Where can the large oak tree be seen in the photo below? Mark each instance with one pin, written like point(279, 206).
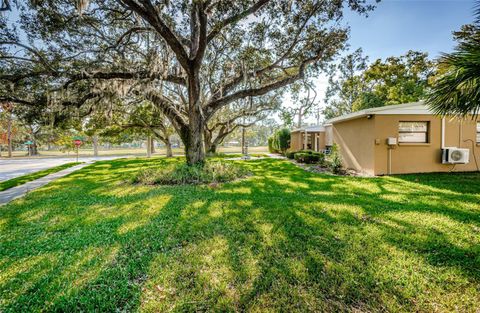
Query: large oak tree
point(190, 58)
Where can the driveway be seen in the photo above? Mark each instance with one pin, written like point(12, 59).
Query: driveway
point(11, 168)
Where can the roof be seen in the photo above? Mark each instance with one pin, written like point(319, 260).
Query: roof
point(310, 129)
point(401, 109)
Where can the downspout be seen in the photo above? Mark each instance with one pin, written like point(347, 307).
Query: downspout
point(389, 161)
point(460, 134)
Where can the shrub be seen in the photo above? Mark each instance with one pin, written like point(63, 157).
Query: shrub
point(290, 154)
point(305, 151)
point(308, 158)
point(336, 163)
point(271, 147)
point(183, 174)
point(282, 140)
point(321, 158)
point(300, 157)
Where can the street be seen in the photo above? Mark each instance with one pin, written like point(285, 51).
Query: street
point(11, 168)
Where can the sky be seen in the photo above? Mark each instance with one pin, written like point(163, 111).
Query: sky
point(397, 26)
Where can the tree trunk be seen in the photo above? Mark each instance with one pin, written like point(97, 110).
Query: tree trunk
point(300, 116)
point(149, 146)
point(9, 135)
point(168, 146)
point(193, 141)
point(212, 149)
point(193, 134)
point(207, 139)
point(152, 145)
point(34, 148)
point(95, 145)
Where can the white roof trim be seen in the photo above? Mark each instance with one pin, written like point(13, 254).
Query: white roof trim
point(310, 129)
point(401, 109)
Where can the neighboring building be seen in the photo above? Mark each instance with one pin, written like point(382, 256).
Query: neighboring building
point(315, 138)
point(404, 138)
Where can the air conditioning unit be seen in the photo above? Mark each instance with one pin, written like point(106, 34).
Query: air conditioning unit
point(452, 155)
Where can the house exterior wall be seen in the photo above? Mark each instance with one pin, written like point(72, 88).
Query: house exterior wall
point(321, 141)
point(422, 157)
point(296, 141)
point(329, 135)
point(355, 138)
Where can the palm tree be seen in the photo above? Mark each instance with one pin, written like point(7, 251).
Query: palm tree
point(457, 91)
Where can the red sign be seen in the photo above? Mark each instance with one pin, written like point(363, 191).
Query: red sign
point(77, 142)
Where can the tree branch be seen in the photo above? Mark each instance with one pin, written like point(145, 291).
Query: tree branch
point(6, 6)
point(125, 75)
point(149, 13)
point(30, 49)
point(214, 105)
point(167, 108)
point(234, 19)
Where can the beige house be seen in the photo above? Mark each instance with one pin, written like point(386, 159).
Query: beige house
point(308, 138)
point(404, 138)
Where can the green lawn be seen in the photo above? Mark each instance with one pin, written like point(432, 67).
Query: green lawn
point(281, 240)
point(26, 178)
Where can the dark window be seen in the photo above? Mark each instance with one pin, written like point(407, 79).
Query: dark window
point(413, 132)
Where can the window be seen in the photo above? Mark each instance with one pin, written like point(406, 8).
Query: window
point(413, 132)
point(478, 132)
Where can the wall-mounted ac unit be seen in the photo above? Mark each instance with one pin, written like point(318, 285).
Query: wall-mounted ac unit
point(452, 155)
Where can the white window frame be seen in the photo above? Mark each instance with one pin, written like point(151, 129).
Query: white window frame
point(426, 132)
point(478, 132)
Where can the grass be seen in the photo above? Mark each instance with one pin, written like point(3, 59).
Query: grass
point(281, 240)
point(7, 184)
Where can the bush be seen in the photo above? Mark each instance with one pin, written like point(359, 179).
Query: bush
point(336, 163)
point(183, 174)
point(290, 154)
point(306, 158)
point(281, 140)
point(309, 157)
point(271, 147)
point(305, 151)
point(321, 158)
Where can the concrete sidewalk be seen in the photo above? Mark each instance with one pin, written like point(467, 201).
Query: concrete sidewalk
point(19, 191)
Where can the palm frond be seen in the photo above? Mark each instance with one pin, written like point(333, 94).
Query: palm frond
point(457, 92)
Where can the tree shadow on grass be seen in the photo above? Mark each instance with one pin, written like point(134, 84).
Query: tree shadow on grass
point(281, 240)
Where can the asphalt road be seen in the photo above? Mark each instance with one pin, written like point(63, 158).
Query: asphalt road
point(11, 168)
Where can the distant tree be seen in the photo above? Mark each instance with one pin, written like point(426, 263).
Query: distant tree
point(456, 90)
point(357, 86)
point(257, 134)
point(345, 84)
point(304, 98)
point(238, 115)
